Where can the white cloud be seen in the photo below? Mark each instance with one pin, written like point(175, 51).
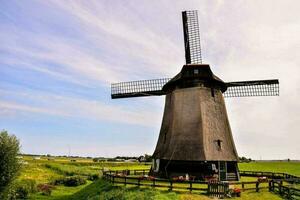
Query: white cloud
point(6, 106)
point(75, 107)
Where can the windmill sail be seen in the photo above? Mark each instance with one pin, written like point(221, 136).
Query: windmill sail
point(141, 88)
point(191, 35)
point(154, 87)
point(252, 88)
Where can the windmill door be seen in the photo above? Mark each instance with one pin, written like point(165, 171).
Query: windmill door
point(222, 170)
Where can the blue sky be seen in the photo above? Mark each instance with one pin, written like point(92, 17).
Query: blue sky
point(58, 59)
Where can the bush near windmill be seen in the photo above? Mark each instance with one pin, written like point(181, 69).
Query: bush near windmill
point(9, 163)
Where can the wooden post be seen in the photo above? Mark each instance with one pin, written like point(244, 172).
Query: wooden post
point(280, 188)
point(270, 186)
point(171, 185)
point(191, 186)
point(243, 186)
point(153, 184)
point(289, 196)
point(125, 180)
point(257, 188)
point(226, 189)
point(113, 179)
point(139, 182)
point(208, 188)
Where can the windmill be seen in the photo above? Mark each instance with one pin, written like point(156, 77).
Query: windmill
point(195, 137)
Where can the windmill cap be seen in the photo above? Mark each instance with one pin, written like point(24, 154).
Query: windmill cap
point(191, 75)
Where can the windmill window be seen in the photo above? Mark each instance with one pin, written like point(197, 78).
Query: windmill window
point(196, 71)
point(219, 144)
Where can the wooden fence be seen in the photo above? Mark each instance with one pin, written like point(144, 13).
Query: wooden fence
point(156, 182)
point(288, 192)
point(251, 185)
point(271, 175)
point(218, 189)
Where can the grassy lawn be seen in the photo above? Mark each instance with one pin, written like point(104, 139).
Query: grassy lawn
point(286, 167)
point(38, 172)
point(45, 171)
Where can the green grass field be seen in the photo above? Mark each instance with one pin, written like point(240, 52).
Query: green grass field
point(287, 167)
point(45, 171)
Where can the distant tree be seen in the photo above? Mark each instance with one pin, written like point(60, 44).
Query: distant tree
point(148, 158)
point(244, 159)
point(9, 163)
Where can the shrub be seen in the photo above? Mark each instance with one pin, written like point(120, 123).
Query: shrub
point(74, 181)
point(70, 181)
point(21, 192)
point(21, 189)
point(29, 184)
point(59, 181)
point(45, 189)
point(93, 177)
point(9, 163)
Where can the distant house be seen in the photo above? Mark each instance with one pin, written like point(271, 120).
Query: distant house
point(99, 159)
point(36, 158)
point(22, 162)
point(131, 160)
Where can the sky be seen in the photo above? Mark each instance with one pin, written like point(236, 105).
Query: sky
point(58, 59)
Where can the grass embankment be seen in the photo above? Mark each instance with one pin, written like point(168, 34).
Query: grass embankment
point(45, 171)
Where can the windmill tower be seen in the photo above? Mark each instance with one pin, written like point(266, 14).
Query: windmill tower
point(195, 136)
